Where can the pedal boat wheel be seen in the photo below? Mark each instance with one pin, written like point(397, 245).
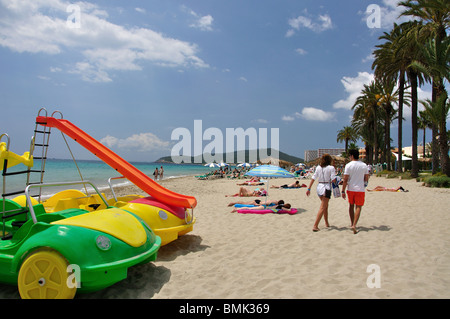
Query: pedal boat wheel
point(43, 275)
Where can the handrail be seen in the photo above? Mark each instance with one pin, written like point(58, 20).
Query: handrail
point(186, 214)
point(28, 197)
point(110, 185)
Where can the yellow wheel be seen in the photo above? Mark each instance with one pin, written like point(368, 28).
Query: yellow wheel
point(43, 275)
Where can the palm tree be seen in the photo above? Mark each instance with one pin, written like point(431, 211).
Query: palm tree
point(366, 119)
point(435, 15)
point(434, 111)
point(392, 59)
point(387, 96)
point(424, 122)
point(435, 65)
point(409, 46)
point(345, 135)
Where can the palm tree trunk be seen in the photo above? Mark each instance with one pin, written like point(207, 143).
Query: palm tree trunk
point(435, 148)
point(443, 143)
point(414, 101)
point(387, 137)
point(400, 119)
point(423, 147)
point(445, 163)
point(375, 138)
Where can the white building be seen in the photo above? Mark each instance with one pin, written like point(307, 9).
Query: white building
point(311, 155)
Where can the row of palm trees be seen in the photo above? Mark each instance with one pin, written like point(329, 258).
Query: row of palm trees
point(411, 54)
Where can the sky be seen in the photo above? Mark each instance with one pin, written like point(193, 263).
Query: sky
point(131, 73)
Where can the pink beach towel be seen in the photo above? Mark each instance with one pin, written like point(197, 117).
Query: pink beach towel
point(291, 211)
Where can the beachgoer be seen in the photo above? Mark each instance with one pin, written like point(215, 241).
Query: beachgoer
point(250, 183)
point(161, 172)
point(260, 207)
point(296, 184)
point(385, 189)
point(245, 192)
point(325, 174)
point(356, 174)
point(257, 202)
point(155, 174)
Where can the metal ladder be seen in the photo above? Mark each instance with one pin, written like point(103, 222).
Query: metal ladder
point(41, 140)
point(42, 135)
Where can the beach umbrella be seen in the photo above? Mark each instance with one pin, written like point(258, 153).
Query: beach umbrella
point(269, 171)
point(212, 165)
point(222, 164)
point(245, 165)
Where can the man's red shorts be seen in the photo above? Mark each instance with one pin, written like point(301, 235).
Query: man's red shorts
point(356, 198)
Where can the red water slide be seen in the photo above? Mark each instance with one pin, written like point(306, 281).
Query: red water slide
point(134, 175)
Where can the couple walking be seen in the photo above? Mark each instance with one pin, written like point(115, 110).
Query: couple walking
point(355, 176)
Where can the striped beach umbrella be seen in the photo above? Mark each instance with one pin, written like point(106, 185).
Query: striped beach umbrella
point(269, 171)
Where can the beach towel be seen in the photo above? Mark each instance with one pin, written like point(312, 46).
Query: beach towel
point(250, 205)
point(291, 211)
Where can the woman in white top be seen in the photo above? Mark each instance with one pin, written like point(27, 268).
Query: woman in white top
point(325, 174)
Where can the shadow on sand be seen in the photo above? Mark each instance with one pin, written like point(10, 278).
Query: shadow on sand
point(144, 281)
point(361, 228)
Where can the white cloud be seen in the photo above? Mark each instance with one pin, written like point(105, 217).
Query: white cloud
point(314, 114)
point(287, 118)
point(140, 142)
point(316, 24)
point(310, 114)
point(55, 69)
point(203, 23)
point(140, 10)
point(368, 58)
point(301, 51)
point(39, 26)
point(243, 79)
point(89, 73)
point(353, 88)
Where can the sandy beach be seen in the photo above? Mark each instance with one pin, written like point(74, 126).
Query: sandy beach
point(231, 255)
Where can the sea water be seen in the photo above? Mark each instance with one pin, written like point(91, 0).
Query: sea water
point(97, 172)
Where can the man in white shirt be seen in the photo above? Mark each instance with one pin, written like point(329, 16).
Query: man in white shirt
point(356, 174)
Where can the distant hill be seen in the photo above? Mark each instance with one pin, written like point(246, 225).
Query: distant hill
point(236, 156)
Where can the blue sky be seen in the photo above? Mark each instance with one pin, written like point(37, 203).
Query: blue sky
point(130, 72)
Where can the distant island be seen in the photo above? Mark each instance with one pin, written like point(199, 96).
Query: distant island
point(245, 155)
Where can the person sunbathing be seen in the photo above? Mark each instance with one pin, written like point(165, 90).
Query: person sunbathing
point(296, 184)
point(257, 202)
point(245, 192)
point(385, 189)
point(250, 183)
point(262, 207)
